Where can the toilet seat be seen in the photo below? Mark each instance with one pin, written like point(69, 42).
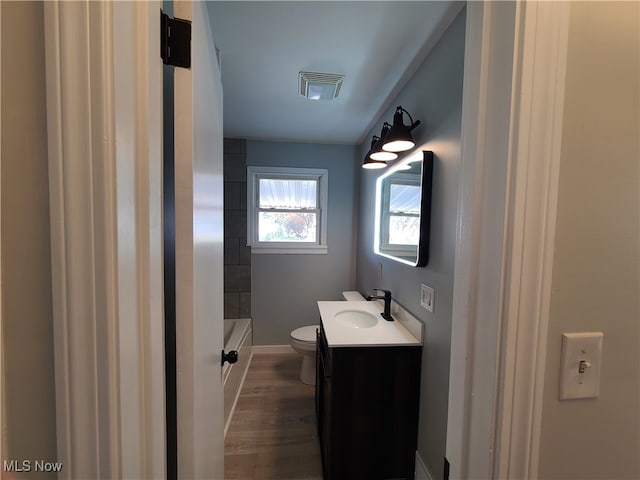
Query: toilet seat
point(305, 334)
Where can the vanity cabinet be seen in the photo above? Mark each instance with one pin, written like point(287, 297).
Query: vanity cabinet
point(367, 409)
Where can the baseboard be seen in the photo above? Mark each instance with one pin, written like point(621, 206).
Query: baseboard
point(270, 349)
point(422, 472)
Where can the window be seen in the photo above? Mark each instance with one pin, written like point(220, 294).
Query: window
point(400, 222)
point(287, 210)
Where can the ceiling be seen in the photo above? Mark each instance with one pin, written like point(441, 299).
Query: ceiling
point(263, 45)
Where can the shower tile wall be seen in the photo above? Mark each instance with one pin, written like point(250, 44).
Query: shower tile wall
point(237, 256)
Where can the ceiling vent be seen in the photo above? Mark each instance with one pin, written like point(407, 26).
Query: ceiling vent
point(319, 86)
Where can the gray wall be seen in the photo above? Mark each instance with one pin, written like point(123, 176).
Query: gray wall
point(28, 376)
point(433, 95)
point(596, 284)
point(285, 288)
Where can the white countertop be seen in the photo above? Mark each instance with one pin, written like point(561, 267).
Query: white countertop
point(382, 334)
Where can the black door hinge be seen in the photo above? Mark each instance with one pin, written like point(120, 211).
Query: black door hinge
point(175, 41)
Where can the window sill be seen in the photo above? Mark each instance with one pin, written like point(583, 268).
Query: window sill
point(315, 250)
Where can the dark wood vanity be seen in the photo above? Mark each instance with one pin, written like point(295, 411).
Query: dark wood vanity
point(367, 400)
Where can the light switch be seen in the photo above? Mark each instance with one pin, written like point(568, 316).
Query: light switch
point(427, 297)
point(580, 365)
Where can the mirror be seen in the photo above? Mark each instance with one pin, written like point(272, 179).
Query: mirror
point(403, 210)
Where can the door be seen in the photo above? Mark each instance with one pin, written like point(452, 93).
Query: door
point(104, 113)
point(199, 253)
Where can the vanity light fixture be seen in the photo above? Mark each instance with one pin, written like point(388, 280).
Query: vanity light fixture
point(398, 138)
point(377, 152)
point(369, 163)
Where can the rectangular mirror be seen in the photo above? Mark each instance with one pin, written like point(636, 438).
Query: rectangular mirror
point(403, 210)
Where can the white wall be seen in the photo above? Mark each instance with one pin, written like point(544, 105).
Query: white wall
point(285, 288)
point(27, 316)
point(596, 283)
point(434, 96)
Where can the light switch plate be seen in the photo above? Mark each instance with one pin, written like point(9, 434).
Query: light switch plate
point(426, 297)
point(580, 365)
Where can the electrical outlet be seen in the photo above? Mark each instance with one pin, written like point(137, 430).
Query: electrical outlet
point(427, 297)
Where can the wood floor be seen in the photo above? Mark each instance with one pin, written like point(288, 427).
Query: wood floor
point(272, 435)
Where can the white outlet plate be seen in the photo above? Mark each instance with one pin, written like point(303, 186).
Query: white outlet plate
point(580, 365)
point(427, 297)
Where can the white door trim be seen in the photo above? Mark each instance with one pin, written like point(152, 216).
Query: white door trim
point(477, 271)
point(537, 111)
point(104, 134)
point(512, 120)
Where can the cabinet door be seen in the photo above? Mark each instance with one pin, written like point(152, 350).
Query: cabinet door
point(372, 431)
point(326, 427)
point(323, 396)
point(319, 379)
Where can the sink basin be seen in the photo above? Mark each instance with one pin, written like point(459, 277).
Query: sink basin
point(356, 318)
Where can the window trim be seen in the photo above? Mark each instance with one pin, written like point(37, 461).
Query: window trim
point(254, 173)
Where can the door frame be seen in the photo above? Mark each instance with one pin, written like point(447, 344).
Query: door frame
point(515, 62)
point(104, 111)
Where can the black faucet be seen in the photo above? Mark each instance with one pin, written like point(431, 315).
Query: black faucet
point(387, 303)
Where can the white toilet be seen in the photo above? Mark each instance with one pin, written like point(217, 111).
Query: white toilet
point(303, 340)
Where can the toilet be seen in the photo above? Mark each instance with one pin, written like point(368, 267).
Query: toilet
point(303, 341)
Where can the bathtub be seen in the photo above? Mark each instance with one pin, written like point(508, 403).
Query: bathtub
point(237, 336)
